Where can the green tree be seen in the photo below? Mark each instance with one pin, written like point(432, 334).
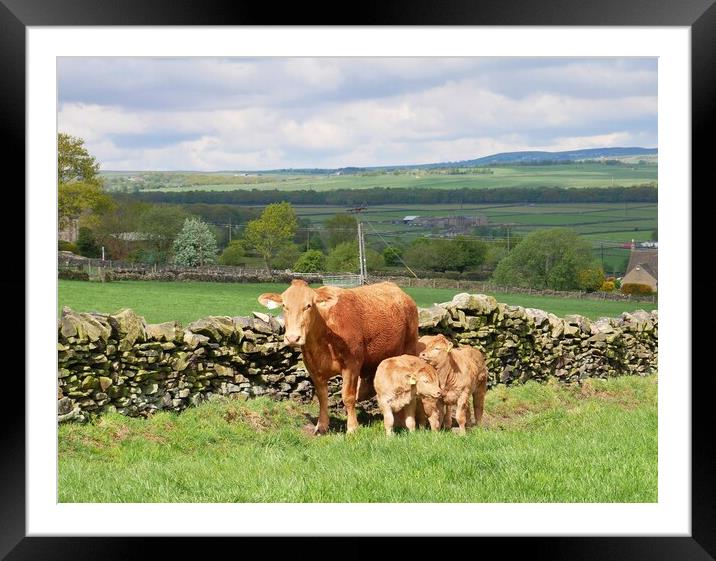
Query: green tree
point(274, 229)
point(472, 253)
point(286, 256)
point(160, 225)
point(546, 259)
point(374, 260)
point(306, 238)
point(195, 245)
point(392, 255)
point(233, 254)
point(340, 229)
point(123, 217)
point(590, 278)
point(75, 199)
point(74, 162)
point(87, 243)
point(311, 261)
point(458, 254)
point(79, 189)
point(343, 258)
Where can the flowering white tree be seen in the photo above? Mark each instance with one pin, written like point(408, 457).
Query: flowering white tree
point(195, 245)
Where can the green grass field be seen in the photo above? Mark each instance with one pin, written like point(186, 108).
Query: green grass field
point(558, 175)
point(594, 443)
point(188, 301)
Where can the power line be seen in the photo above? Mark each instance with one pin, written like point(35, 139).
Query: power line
point(396, 253)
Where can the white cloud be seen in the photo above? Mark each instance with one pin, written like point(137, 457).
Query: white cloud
point(261, 113)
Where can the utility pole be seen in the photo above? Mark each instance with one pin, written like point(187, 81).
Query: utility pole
point(229, 229)
point(361, 254)
point(602, 247)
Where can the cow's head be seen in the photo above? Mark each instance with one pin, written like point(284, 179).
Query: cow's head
point(301, 305)
point(435, 348)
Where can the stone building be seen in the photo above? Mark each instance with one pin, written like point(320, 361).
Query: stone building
point(643, 268)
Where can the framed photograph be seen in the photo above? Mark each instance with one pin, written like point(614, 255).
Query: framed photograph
point(178, 112)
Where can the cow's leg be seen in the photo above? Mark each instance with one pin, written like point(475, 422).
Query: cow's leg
point(348, 392)
point(322, 393)
point(387, 418)
point(447, 417)
point(462, 410)
point(478, 400)
point(410, 415)
point(365, 389)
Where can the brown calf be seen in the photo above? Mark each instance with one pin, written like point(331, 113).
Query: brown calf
point(462, 373)
point(400, 382)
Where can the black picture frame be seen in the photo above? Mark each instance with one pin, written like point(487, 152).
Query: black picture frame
point(699, 15)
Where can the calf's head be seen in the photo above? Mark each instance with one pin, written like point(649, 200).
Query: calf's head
point(426, 382)
point(300, 305)
point(434, 349)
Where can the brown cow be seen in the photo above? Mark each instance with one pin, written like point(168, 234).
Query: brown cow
point(462, 373)
point(347, 332)
point(402, 381)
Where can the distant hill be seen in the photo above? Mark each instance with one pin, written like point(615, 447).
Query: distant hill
point(539, 157)
point(504, 158)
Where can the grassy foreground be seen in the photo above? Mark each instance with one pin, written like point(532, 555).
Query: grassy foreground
point(540, 443)
point(188, 301)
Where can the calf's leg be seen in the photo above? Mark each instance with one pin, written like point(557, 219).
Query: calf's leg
point(478, 400)
point(433, 411)
point(420, 416)
point(462, 411)
point(447, 417)
point(399, 418)
point(387, 418)
point(410, 415)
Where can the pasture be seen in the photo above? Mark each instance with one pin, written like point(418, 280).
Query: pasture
point(187, 301)
point(539, 443)
point(608, 226)
point(557, 175)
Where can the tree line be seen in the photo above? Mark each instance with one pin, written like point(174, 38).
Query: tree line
point(647, 193)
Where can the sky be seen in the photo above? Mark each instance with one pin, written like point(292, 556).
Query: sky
point(210, 114)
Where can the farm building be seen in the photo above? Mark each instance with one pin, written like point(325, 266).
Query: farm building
point(70, 231)
point(643, 268)
point(451, 224)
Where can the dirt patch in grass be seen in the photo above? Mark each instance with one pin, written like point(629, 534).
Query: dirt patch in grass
point(626, 398)
point(260, 422)
point(120, 433)
point(152, 437)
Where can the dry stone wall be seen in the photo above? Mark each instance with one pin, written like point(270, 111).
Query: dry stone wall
point(118, 362)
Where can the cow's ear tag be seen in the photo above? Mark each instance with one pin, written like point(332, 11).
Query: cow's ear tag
point(413, 381)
